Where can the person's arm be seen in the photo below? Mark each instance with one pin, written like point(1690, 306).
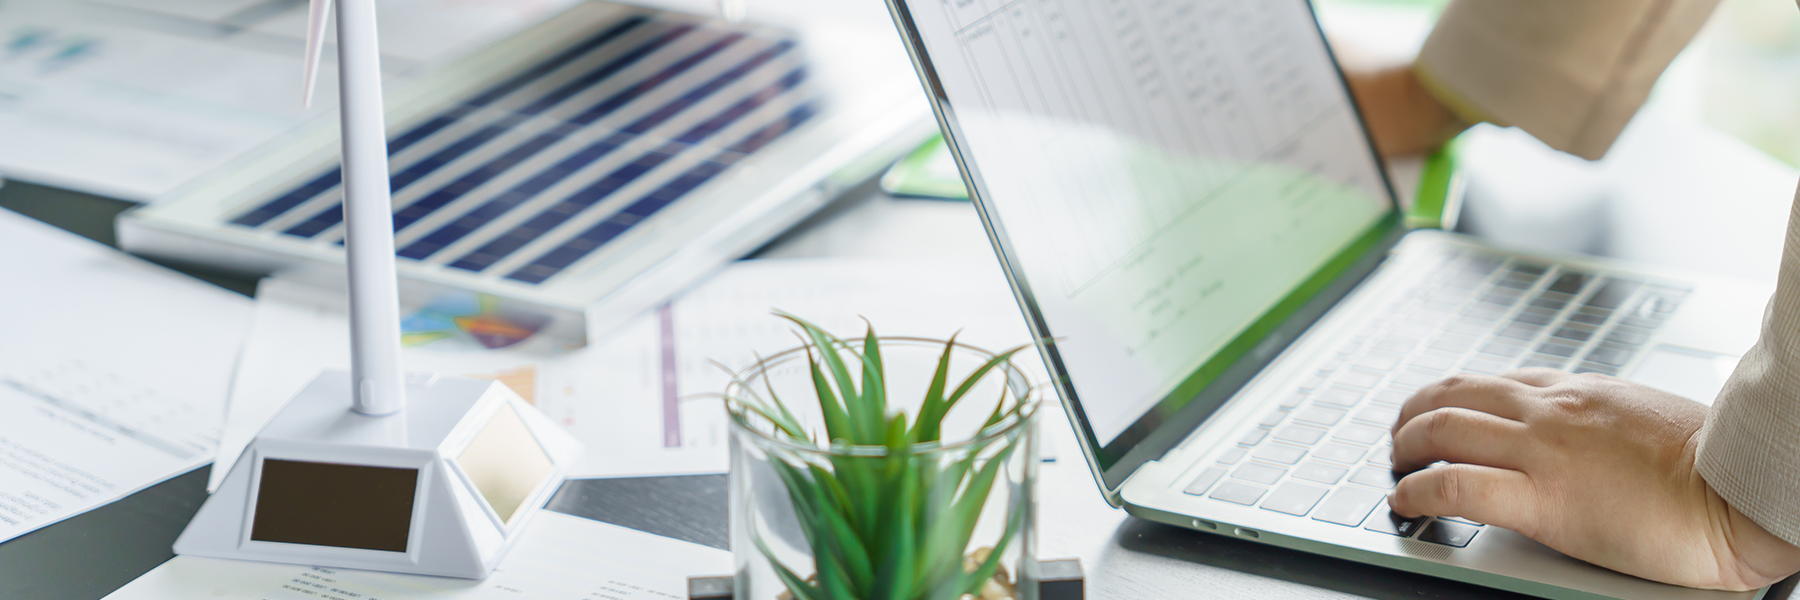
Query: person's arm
point(1569, 73)
point(1605, 470)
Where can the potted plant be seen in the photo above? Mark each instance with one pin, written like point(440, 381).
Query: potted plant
point(870, 468)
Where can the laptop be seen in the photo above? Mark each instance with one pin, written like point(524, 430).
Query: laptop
point(1191, 213)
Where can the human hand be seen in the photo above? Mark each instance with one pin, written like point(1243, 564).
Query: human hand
point(1403, 118)
point(1598, 468)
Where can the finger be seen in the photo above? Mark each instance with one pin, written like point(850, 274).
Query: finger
point(1500, 497)
point(1493, 395)
point(1460, 435)
point(1537, 376)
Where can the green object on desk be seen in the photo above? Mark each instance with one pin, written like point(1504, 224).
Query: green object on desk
point(927, 172)
point(1440, 190)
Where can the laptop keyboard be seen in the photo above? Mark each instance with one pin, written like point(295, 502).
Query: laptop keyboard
point(1323, 450)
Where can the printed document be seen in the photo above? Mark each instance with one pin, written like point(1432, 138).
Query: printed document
point(113, 373)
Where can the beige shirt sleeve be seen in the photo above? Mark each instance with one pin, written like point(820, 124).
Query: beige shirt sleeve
point(1750, 445)
point(1569, 72)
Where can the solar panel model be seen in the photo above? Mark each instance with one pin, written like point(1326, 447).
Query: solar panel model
point(585, 170)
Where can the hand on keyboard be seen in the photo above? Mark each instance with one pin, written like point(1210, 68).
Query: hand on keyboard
point(1599, 468)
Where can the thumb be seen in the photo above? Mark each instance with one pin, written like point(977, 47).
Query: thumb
point(1501, 497)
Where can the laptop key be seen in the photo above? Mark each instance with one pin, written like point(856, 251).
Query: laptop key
point(1378, 415)
point(1613, 293)
point(1341, 453)
point(1385, 521)
point(1449, 533)
point(1573, 334)
point(1571, 282)
point(1432, 363)
point(1348, 506)
point(1462, 520)
point(1377, 363)
point(1486, 367)
point(1539, 360)
point(1559, 350)
point(1383, 456)
point(1523, 333)
point(1536, 270)
point(1609, 356)
point(1280, 453)
point(1292, 401)
point(1253, 437)
point(1535, 316)
point(1320, 472)
point(1361, 434)
point(1260, 473)
point(1361, 381)
point(1206, 480)
point(1396, 346)
point(1300, 434)
point(1550, 303)
point(1272, 419)
point(1415, 379)
point(1595, 368)
point(1501, 348)
point(1237, 492)
point(1321, 416)
point(1453, 344)
point(1628, 336)
point(1341, 398)
point(1393, 396)
point(1591, 316)
point(1374, 477)
point(1294, 498)
point(1232, 456)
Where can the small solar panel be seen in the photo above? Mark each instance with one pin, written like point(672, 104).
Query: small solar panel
point(524, 179)
point(330, 504)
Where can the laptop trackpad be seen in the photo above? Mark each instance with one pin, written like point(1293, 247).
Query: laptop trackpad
point(1695, 374)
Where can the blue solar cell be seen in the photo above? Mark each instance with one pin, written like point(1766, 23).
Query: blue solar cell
point(332, 216)
point(449, 233)
point(554, 261)
point(436, 240)
point(258, 216)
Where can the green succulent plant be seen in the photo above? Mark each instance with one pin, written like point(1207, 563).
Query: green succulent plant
point(894, 521)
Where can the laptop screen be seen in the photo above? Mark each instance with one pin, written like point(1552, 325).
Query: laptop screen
point(1168, 181)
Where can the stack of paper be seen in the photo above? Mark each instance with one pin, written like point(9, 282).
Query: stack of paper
point(113, 373)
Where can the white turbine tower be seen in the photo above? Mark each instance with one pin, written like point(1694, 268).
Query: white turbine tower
point(347, 474)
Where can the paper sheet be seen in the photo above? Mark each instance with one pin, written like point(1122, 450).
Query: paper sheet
point(130, 98)
point(651, 417)
point(634, 398)
point(113, 373)
point(560, 556)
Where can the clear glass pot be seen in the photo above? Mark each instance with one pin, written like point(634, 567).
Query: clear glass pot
point(935, 520)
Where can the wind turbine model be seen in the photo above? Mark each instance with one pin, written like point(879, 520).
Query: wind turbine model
point(347, 475)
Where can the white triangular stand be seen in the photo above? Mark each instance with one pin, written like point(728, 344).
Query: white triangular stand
point(442, 488)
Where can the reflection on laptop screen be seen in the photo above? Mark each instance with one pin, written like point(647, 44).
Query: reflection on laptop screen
point(1174, 178)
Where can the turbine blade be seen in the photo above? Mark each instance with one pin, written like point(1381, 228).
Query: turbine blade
point(315, 45)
